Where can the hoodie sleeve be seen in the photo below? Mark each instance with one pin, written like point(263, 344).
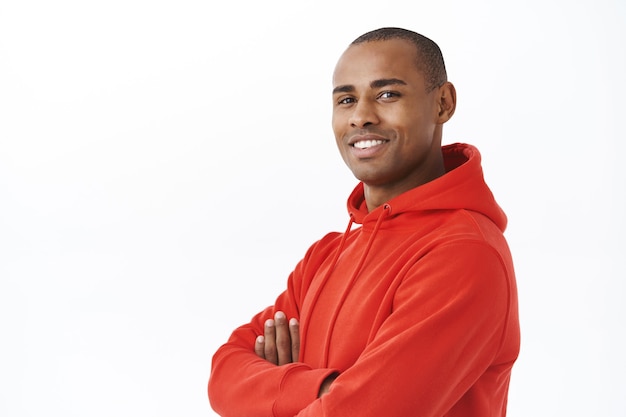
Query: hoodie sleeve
point(446, 331)
point(242, 384)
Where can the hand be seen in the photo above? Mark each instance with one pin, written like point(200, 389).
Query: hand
point(281, 342)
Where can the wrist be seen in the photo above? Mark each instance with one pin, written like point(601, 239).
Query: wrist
point(326, 384)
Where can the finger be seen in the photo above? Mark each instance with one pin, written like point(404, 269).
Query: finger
point(270, 342)
point(283, 339)
point(294, 332)
point(259, 347)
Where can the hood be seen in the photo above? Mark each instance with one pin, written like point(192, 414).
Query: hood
point(461, 187)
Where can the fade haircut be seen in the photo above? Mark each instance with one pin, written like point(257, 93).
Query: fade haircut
point(429, 57)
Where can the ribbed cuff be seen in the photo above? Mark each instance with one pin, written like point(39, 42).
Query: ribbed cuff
point(299, 388)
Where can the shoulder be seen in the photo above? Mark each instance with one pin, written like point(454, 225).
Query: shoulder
point(327, 244)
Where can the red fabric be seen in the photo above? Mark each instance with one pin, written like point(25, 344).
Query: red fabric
point(416, 310)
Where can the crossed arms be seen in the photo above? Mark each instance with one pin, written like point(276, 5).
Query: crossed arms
point(280, 345)
point(442, 334)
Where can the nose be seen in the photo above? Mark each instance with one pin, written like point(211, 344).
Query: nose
point(363, 114)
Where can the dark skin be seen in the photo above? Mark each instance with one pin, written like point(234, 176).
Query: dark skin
point(388, 128)
point(387, 122)
point(281, 341)
point(280, 344)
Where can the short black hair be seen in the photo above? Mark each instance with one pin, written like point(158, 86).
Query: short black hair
point(429, 56)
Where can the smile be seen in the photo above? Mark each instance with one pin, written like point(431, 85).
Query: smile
point(364, 144)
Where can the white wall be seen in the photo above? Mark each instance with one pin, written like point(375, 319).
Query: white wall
point(163, 165)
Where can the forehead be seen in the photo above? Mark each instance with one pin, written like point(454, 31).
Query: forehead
point(368, 61)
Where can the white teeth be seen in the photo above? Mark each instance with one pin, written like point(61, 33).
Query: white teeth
point(368, 143)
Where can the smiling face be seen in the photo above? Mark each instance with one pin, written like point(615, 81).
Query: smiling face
point(387, 125)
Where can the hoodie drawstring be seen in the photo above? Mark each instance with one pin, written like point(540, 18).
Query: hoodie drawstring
point(355, 274)
point(342, 243)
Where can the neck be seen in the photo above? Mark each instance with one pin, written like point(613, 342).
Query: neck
point(377, 195)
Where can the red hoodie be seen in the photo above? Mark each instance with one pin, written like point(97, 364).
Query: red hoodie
point(416, 310)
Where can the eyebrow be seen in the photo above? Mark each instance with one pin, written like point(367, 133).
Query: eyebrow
point(384, 82)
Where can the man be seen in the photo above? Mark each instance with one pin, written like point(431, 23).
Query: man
point(415, 312)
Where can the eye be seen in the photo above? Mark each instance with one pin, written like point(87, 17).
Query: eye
point(346, 100)
point(386, 95)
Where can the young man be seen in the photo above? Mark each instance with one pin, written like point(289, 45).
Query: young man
point(414, 313)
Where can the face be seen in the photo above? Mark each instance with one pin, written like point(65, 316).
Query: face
point(387, 126)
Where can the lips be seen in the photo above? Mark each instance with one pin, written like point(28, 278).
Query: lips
point(368, 143)
point(367, 140)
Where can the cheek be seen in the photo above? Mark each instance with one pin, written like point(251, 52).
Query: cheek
point(411, 124)
point(406, 115)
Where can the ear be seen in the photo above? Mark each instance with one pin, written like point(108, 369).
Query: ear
point(446, 101)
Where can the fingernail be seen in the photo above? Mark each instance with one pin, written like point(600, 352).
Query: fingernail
point(269, 323)
point(279, 315)
point(293, 322)
point(260, 340)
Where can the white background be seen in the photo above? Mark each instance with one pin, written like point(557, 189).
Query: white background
point(164, 165)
